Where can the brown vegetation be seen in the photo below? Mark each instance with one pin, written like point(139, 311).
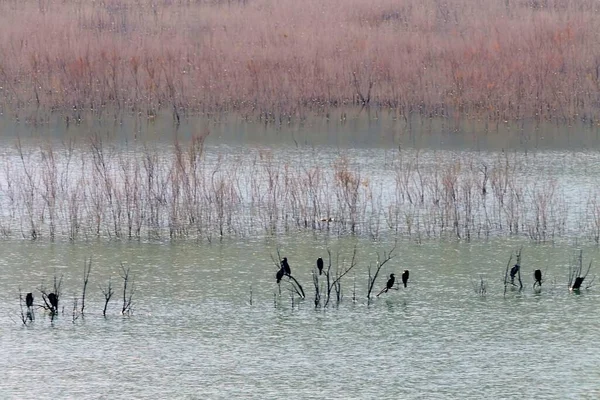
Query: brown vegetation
point(503, 60)
point(100, 190)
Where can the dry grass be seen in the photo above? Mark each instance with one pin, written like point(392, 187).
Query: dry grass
point(503, 60)
point(96, 189)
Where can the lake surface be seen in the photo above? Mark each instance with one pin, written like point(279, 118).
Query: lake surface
point(209, 320)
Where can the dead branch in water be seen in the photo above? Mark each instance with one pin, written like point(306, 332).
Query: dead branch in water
point(128, 289)
point(107, 292)
point(87, 268)
point(381, 261)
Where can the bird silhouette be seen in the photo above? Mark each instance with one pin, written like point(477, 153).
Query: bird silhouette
point(537, 275)
point(53, 298)
point(390, 282)
point(578, 283)
point(388, 285)
point(279, 275)
point(513, 272)
point(320, 265)
point(286, 267)
point(29, 300)
point(405, 275)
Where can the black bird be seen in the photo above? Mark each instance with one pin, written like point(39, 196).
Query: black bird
point(537, 275)
point(513, 272)
point(390, 282)
point(388, 285)
point(405, 277)
point(320, 265)
point(53, 301)
point(29, 300)
point(285, 266)
point(578, 283)
point(279, 275)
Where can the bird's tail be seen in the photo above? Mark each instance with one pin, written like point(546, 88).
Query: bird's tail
point(384, 290)
point(320, 272)
point(404, 284)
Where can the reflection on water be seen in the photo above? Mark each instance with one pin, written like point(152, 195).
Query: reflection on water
point(345, 129)
point(194, 335)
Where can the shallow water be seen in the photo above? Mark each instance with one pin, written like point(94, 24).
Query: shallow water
point(194, 333)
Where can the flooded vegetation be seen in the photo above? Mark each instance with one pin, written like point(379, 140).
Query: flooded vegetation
point(278, 199)
point(184, 188)
point(254, 245)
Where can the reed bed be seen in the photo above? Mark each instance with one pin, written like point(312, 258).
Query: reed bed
point(499, 60)
point(185, 191)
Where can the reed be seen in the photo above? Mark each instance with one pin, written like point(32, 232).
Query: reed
point(281, 59)
point(96, 189)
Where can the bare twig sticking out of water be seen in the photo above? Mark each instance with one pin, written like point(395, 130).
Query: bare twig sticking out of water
point(128, 289)
point(75, 314)
point(354, 289)
point(381, 261)
point(29, 190)
point(87, 268)
point(506, 273)
point(250, 294)
point(315, 277)
point(335, 282)
point(107, 292)
point(482, 288)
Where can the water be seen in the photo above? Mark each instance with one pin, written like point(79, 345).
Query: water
point(193, 333)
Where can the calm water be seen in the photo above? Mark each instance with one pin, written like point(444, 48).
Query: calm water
point(194, 333)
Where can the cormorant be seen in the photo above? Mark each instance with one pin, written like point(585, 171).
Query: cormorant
point(388, 285)
point(537, 275)
point(405, 277)
point(29, 300)
point(285, 266)
point(279, 275)
point(513, 272)
point(390, 282)
point(320, 265)
point(578, 282)
point(53, 301)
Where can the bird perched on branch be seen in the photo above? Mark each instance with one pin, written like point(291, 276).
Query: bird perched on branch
point(29, 300)
point(286, 267)
point(53, 298)
point(320, 265)
point(279, 275)
point(405, 275)
point(513, 272)
point(537, 276)
point(388, 285)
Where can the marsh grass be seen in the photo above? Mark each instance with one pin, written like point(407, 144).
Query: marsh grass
point(98, 189)
point(500, 60)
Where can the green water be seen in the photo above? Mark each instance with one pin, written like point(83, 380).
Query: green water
point(194, 333)
point(210, 322)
